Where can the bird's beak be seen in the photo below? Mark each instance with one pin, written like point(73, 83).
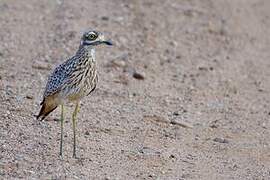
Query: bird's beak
point(105, 41)
point(108, 42)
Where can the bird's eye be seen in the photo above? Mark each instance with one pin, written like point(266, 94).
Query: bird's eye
point(92, 36)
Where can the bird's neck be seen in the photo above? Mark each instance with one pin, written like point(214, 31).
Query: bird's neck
point(87, 51)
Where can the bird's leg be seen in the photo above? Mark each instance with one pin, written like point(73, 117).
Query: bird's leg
point(74, 128)
point(62, 122)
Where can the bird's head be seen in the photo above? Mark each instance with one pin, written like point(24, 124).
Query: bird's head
point(94, 38)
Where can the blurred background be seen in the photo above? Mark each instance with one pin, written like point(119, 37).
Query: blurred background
point(183, 94)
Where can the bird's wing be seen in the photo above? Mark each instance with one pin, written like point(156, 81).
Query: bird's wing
point(55, 81)
point(59, 77)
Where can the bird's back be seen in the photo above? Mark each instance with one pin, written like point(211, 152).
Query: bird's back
point(58, 77)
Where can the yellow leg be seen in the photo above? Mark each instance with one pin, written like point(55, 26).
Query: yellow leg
point(74, 128)
point(62, 122)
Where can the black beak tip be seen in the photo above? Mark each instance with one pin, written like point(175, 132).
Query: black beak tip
point(108, 43)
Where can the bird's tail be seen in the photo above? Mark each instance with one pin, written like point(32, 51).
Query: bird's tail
point(48, 105)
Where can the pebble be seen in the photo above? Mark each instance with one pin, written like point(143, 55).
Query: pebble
point(264, 126)
point(138, 76)
point(221, 140)
point(118, 63)
point(213, 126)
point(201, 68)
point(29, 97)
point(71, 34)
point(148, 150)
point(178, 57)
point(105, 18)
point(182, 124)
point(41, 67)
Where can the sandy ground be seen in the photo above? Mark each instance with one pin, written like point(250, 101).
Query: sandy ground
point(200, 111)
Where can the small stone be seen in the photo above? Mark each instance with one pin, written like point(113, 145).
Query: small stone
point(214, 126)
point(189, 13)
point(105, 18)
point(56, 119)
point(29, 97)
point(148, 150)
point(202, 68)
point(138, 76)
point(184, 110)
point(71, 34)
point(264, 126)
point(176, 113)
point(87, 133)
point(118, 63)
point(181, 124)
point(41, 67)
point(178, 57)
point(145, 66)
point(221, 140)
point(173, 43)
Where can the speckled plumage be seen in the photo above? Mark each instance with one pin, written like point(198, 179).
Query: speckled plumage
point(75, 77)
point(73, 80)
point(70, 81)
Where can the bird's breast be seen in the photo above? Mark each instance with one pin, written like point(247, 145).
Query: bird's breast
point(88, 75)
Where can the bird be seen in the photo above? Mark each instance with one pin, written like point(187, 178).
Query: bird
point(73, 80)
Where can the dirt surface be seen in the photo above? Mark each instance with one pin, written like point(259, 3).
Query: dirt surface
point(196, 108)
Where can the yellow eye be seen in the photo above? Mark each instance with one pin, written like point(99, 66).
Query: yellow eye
point(92, 36)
